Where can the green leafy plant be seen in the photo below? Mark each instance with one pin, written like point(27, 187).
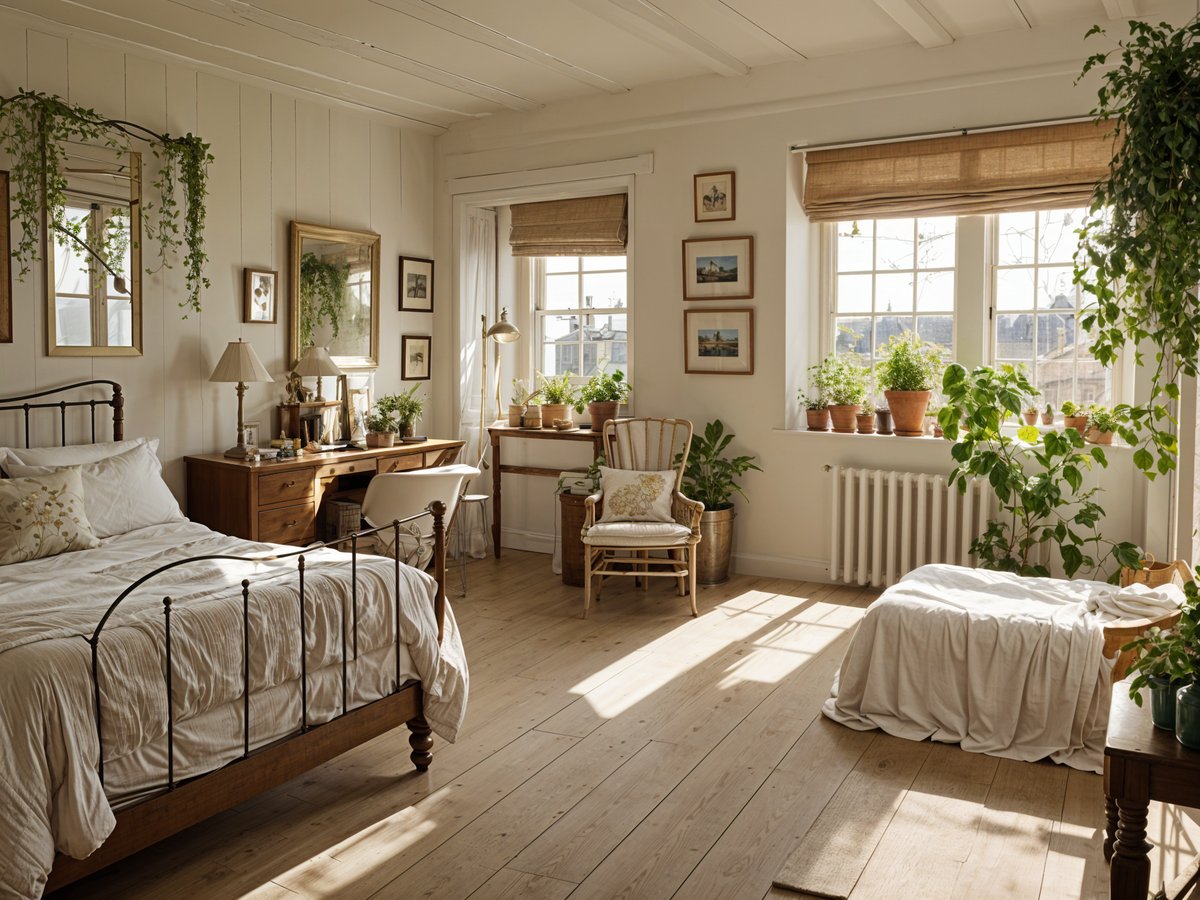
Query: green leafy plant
point(406, 406)
point(380, 420)
point(1102, 418)
point(322, 295)
point(34, 129)
point(710, 476)
point(1071, 408)
point(814, 402)
point(593, 474)
point(1172, 654)
point(605, 388)
point(1139, 249)
point(841, 380)
point(909, 364)
point(1037, 478)
point(558, 389)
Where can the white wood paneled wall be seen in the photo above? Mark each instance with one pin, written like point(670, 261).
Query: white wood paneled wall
point(278, 158)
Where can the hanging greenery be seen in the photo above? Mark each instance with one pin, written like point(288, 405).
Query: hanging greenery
point(33, 130)
point(322, 295)
point(1139, 256)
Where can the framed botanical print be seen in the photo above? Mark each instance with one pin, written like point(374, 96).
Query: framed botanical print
point(416, 284)
point(414, 357)
point(718, 268)
point(718, 341)
point(6, 301)
point(713, 197)
point(260, 296)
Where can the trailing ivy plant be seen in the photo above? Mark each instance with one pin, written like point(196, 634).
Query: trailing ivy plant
point(1139, 252)
point(34, 128)
point(1037, 478)
point(322, 295)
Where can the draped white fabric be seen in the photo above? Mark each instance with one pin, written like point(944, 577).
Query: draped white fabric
point(477, 297)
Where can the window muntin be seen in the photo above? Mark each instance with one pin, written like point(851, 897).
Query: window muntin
point(582, 306)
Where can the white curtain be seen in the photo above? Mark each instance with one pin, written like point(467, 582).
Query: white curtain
point(476, 297)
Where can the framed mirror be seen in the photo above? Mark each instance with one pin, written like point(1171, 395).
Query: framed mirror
point(333, 294)
point(94, 263)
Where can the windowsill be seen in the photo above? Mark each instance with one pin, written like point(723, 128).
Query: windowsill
point(928, 438)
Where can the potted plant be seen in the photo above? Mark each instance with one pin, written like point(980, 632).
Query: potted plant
point(1074, 416)
point(1048, 415)
point(604, 395)
point(710, 476)
point(816, 411)
point(866, 418)
point(932, 425)
point(1166, 660)
point(558, 397)
point(521, 398)
point(907, 371)
point(1030, 415)
point(381, 426)
point(1102, 422)
point(842, 380)
point(405, 408)
point(883, 420)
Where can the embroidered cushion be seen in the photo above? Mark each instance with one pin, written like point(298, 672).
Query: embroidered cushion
point(631, 496)
point(43, 516)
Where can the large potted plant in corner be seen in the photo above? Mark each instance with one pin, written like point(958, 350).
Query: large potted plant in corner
point(711, 477)
point(843, 381)
point(604, 395)
point(907, 371)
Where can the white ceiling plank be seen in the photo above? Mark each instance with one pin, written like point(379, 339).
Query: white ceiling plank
point(919, 22)
point(1120, 9)
point(1019, 15)
point(247, 12)
point(733, 18)
point(472, 30)
point(655, 26)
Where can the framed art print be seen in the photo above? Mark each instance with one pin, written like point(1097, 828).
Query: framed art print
point(718, 341)
point(713, 197)
point(414, 357)
point(718, 268)
point(416, 284)
point(259, 295)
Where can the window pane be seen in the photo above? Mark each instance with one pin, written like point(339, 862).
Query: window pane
point(562, 292)
point(558, 328)
point(894, 292)
point(937, 330)
point(854, 246)
point(1014, 288)
point(606, 337)
point(853, 336)
point(1056, 336)
point(1057, 239)
point(562, 263)
point(889, 326)
point(935, 292)
point(894, 244)
point(605, 290)
point(605, 263)
point(1055, 288)
point(73, 321)
point(560, 358)
point(854, 293)
point(935, 242)
point(70, 267)
point(120, 322)
point(1093, 383)
point(1014, 336)
point(1016, 232)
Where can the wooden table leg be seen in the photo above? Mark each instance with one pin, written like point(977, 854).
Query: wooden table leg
point(496, 520)
point(1129, 878)
point(1110, 827)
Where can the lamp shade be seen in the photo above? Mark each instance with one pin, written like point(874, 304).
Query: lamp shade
point(316, 361)
point(239, 362)
point(504, 331)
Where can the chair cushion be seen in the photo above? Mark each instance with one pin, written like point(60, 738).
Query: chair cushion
point(637, 534)
point(632, 496)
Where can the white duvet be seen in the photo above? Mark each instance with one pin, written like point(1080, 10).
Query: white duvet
point(51, 798)
point(998, 663)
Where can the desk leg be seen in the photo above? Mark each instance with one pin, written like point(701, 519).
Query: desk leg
point(1130, 875)
point(496, 518)
point(1110, 827)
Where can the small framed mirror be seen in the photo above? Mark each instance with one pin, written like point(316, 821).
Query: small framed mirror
point(94, 260)
point(333, 294)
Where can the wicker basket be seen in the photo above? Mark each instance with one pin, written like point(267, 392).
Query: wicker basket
point(1154, 573)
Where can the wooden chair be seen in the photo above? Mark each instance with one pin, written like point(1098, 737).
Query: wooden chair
point(625, 548)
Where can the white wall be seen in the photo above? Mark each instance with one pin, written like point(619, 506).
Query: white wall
point(748, 125)
point(278, 158)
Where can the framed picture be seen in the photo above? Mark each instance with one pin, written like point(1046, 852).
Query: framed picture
point(250, 434)
point(416, 284)
point(260, 292)
point(718, 269)
point(718, 341)
point(713, 195)
point(414, 352)
point(6, 326)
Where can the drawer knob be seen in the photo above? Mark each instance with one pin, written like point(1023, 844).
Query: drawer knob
point(289, 484)
point(291, 524)
point(350, 469)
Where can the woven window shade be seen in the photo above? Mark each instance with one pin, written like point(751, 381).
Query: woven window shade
point(1023, 169)
point(581, 226)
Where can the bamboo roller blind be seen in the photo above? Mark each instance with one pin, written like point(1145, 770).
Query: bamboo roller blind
point(1022, 169)
point(580, 226)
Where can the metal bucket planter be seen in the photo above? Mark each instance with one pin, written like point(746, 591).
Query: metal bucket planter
point(716, 545)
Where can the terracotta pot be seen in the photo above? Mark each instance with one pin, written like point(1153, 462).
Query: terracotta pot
point(1047, 418)
point(818, 419)
point(602, 411)
point(552, 411)
point(908, 411)
point(866, 423)
point(381, 438)
point(842, 415)
point(1030, 416)
point(1095, 436)
point(514, 415)
point(883, 421)
point(1079, 423)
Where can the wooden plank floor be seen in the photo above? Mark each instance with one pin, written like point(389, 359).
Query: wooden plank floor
point(645, 754)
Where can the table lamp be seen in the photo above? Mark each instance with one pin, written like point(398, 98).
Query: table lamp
point(240, 363)
point(503, 332)
point(316, 361)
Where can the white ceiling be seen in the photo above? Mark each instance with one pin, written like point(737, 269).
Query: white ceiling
point(437, 62)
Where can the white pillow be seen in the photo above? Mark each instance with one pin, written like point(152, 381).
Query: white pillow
point(121, 493)
point(43, 516)
point(77, 455)
point(631, 496)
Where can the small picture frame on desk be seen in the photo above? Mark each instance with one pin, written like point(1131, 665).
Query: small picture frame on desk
point(250, 434)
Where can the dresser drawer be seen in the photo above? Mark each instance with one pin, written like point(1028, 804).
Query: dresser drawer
point(401, 463)
point(280, 486)
point(346, 468)
point(288, 524)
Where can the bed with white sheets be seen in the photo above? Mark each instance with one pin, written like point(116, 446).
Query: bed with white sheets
point(1000, 664)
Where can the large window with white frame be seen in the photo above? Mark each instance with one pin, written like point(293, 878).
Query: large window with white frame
point(581, 304)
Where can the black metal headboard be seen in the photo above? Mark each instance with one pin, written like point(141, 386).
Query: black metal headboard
point(116, 401)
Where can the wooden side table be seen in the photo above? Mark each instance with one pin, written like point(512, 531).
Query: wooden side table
point(1142, 763)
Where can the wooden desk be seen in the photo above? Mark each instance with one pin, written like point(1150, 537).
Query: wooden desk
point(1141, 763)
point(280, 502)
point(496, 432)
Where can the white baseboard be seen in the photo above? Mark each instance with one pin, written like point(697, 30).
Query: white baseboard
point(534, 541)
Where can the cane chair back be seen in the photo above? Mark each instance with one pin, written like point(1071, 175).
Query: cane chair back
point(648, 445)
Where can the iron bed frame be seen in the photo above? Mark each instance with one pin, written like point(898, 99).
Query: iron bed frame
point(179, 804)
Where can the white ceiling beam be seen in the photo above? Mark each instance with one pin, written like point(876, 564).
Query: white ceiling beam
point(650, 23)
point(1019, 15)
point(472, 30)
point(735, 18)
point(1120, 9)
point(919, 22)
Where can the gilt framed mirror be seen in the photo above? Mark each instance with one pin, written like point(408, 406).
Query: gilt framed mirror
point(333, 294)
point(94, 261)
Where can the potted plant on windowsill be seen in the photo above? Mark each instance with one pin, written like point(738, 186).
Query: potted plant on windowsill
point(710, 476)
point(907, 371)
point(843, 381)
point(1074, 417)
point(816, 411)
point(1048, 415)
point(1102, 423)
point(558, 398)
point(604, 395)
point(381, 427)
point(866, 418)
point(521, 398)
point(1030, 415)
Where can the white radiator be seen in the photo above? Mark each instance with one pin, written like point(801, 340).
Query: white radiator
point(885, 524)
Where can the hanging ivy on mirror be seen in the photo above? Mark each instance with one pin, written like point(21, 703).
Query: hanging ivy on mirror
point(33, 130)
point(1139, 257)
point(322, 295)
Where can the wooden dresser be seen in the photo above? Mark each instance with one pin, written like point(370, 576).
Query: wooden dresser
point(280, 502)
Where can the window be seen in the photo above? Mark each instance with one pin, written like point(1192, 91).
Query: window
point(89, 310)
point(582, 314)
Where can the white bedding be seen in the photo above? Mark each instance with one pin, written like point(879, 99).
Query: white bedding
point(998, 663)
point(51, 797)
